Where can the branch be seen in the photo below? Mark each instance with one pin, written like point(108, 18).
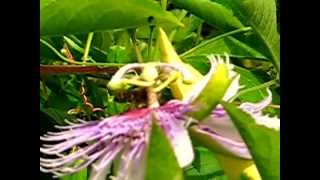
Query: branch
point(75, 69)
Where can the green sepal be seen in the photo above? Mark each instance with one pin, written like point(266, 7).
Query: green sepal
point(212, 93)
point(161, 161)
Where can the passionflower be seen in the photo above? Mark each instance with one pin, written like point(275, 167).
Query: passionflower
point(124, 138)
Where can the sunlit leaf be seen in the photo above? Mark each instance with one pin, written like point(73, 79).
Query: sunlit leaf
point(229, 15)
point(81, 16)
point(212, 12)
point(249, 80)
point(161, 162)
point(263, 142)
point(204, 166)
point(81, 175)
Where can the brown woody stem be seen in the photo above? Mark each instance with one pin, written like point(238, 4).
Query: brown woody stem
point(75, 69)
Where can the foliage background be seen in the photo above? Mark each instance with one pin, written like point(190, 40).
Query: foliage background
point(247, 30)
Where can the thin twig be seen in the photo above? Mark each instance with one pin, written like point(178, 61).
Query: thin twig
point(255, 88)
point(199, 31)
point(152, 27)
point(57, 52)
point(135, 45)
point(75, 69)
point(76, 62)
point(164, 4)
point(245, 29)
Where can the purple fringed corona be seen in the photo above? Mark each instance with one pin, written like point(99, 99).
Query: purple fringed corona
point(99, 143)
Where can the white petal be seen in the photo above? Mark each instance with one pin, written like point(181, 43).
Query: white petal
point(222, 144)
point(256, 107)
point(233, 88)
point(224, 126)
point(270, 122)
point(183, 148)
point(178, 137)
point(255, 110)
point(226, 137)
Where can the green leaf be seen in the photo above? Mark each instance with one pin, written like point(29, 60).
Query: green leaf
point(224, 43)
point(229, 15)
point(204, 166)
point(81, 175)
point(45, 52)
point(199, 62)
point(161, 162)
point(191, 23)
point(103, 40)
point(82, 16)
point(118, 54)
point(96, 95)
point(212, 12)
point(231, 164)
point(212, 92)
point(56, 115)
point(114, 107)
point(261, 16)
point(249, 80)
point(122, 51)
point(263, 142)
point(76, 46)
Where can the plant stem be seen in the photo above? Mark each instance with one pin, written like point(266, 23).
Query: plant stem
point(199, 30)
point(264, 85)
point(70, 69)
point(136, 48)
point(156, 44)
point(217, 38)
point(164, 4)
point(76, 41)
point(57, 52)
point(87, 48)
point(73, 44)
point(152, 98)
point(150, 41)
point(181, 15)
point(44, 87)
point(76, 62)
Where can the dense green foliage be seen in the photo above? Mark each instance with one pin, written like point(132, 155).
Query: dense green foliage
point(245, 29)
